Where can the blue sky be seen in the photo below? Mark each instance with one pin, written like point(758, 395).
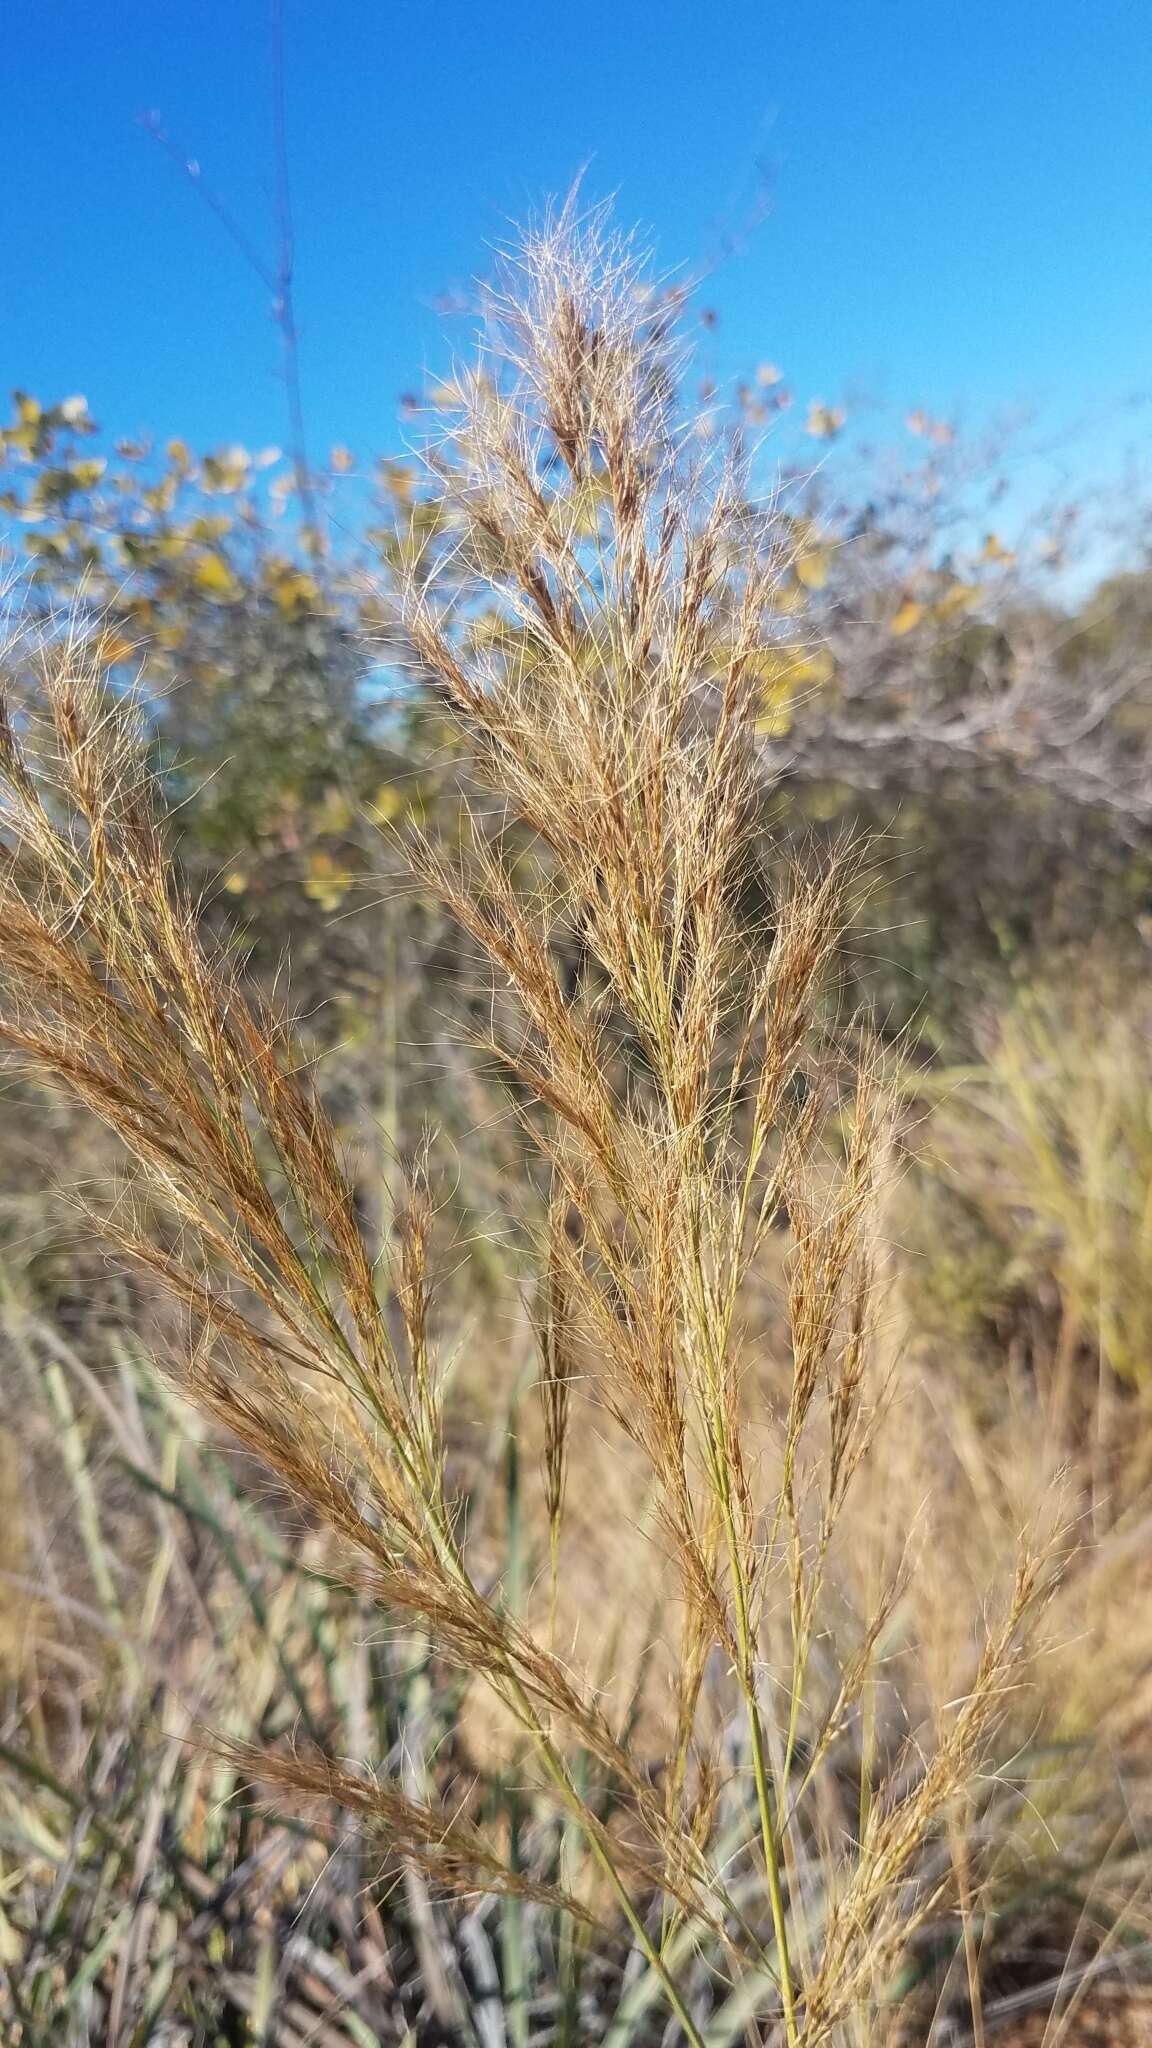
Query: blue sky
point(960, 193)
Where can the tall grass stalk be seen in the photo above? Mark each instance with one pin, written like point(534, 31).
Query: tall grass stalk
point(605, 654)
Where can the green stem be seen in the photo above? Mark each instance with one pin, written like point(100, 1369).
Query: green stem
point(556, 1769)
point(760, 1772)
point(772, 1868)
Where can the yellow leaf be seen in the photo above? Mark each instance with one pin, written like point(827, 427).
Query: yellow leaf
point(959, 598)
point(335, 813)
point(214, 577)
point(236, 882)
point(816, 668)
point(325, 883)
point(388, 803)
point(227, 470)
point(995, 551)
point(812, 568)
point(293, 590)
point(162, 496)
point(342, 460)
point(204, 527)
point(786, 671)
point(907, 615)
point(179, 453)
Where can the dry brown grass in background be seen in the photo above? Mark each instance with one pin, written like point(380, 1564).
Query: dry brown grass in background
point(608, 670)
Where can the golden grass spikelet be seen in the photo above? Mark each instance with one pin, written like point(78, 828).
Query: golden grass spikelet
point(448, 1848)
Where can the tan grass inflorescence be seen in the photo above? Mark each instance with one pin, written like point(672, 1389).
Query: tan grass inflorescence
point(604, 656)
